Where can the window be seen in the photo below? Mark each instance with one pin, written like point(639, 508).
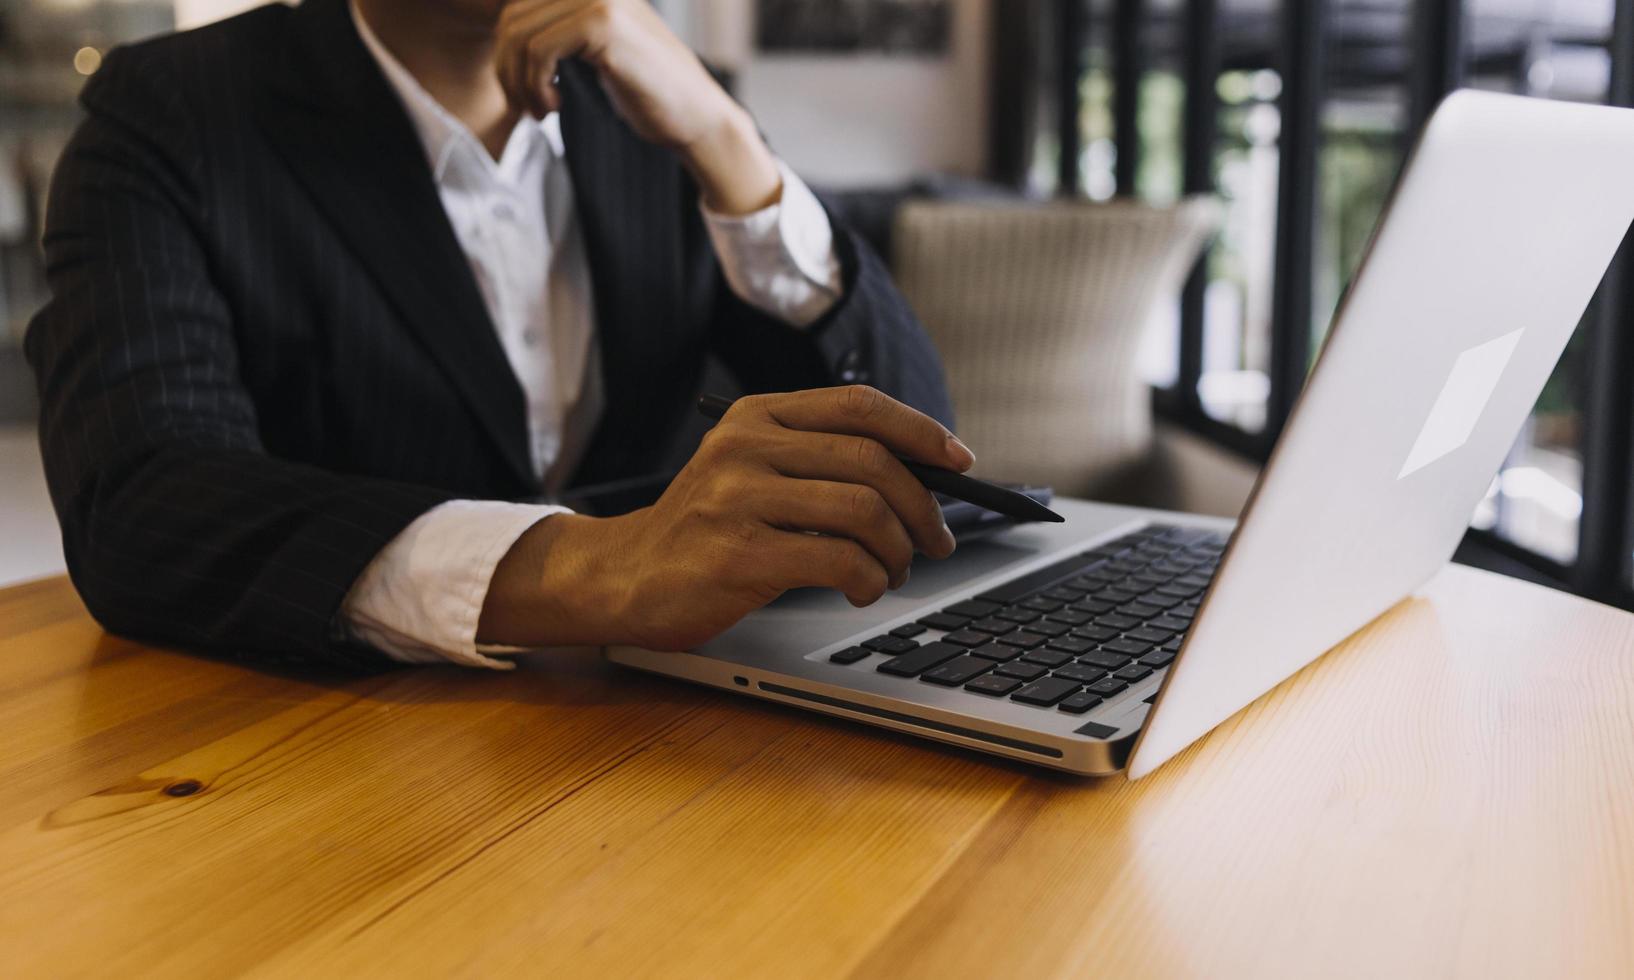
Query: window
point(1237, 302)
point(1097, 161)
point(1158, 105)
point(1158, 170)
point(1364, 137)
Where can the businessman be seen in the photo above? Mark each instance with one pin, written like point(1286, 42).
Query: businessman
point(338, 289)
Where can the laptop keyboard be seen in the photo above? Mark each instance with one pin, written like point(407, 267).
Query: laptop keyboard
point(1068, 636)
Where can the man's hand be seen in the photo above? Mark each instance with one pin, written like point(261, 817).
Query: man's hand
point(656, 83)
point(790, 490)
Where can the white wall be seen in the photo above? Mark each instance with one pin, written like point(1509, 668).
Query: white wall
point(192, 13)
point(853, 120)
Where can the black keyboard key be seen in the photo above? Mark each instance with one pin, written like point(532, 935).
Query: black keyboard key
point(973, 608)
point(1173, 646)
point(1071, 617)
point(923, 659)
point(1047, 657)
point(850, 655)
point(1095, 607)
point(1126, 647)
point(1117, 622)
point(956, 671)
point(942, 621)
point(1021, 669)
point(1150, 635)
point(1017, 615)
point(1048, 629)
point(967, 638)
point(1079, 703)
point(1107, 686)
point(1062, 593)
point(1200, 582)
point(1160, 601)
point(1158, 658)
point(1082, 673)
point(908, 630)
point(993, 684)
point(1025, 640)
point(1139, 610)
point(1104, 660)
point(1045, 691)
point(889, 644)
point(1090, 582)
point(1045, 577)
point(1041, 604)
point(1133, 672)
point(1186, 536)
point(1114, 595)
point(1071, 645)
point(993, 625)
point(1100, 634)
point(1166, 623)
point(1000, 651)
point(1180, 591)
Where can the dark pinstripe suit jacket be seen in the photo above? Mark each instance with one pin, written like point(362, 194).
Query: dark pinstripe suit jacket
point(265, 353)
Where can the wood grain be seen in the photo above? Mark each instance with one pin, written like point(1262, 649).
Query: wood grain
point(1451, 793)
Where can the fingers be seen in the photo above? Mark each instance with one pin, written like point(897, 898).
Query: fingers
point(533, 38)
point(859, 410)
point(543, 97)
point(847, 510)
point(858, 460)
point(796, 561)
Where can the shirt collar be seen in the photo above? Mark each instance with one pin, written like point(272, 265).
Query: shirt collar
point(444, 137)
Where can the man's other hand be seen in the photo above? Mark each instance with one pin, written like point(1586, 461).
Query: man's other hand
point(787, 491)
point(656, 83)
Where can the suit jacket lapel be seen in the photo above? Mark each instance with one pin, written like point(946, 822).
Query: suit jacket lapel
point(630, 199)
point(340, 127)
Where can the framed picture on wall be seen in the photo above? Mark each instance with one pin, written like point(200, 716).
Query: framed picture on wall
point(911, 27)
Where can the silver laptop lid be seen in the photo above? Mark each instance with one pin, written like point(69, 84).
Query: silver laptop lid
point(1492, 246)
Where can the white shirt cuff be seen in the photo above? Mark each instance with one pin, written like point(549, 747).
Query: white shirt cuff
point(419, 600)
point(781, 259)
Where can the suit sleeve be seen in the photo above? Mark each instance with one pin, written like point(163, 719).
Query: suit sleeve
point(177, 526)
point(868, 336)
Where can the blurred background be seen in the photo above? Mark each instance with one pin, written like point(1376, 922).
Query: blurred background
point(1182, 190)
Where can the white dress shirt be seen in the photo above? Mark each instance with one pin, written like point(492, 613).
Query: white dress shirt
point(515, 218)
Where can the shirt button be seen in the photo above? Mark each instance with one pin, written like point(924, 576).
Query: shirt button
point(530, 338)
point(851, 369)
point(504, 212)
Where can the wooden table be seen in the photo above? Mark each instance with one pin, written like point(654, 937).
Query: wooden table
point(1449, 793)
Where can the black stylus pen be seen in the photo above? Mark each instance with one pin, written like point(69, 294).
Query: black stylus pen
point(937, 480)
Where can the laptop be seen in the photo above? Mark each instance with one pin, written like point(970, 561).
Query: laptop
point(1113, 641)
